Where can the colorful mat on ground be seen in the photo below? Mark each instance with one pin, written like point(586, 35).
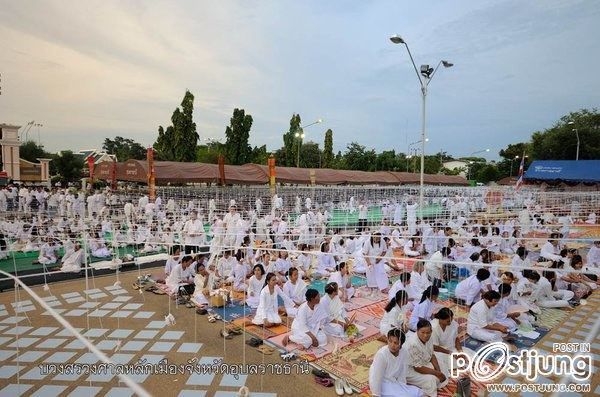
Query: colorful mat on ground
point(319, 285)
point(259, 331)
point(234, 311)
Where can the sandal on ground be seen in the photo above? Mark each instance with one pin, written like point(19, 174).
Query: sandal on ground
point(135, 286)
point(225, 334)
point(265, 349)
point(158, 291)
point(320, 374)
point(327, 382)
point(243, 392)
point(287, 357)
point(211, 318)
point(202, 311)
point(347, 389)
point(234, 330)
point(189, 305)
point(254, 342)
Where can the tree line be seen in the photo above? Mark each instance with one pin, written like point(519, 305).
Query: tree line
point(180, 141)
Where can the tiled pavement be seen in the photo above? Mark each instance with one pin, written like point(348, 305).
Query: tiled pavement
point(24, 347)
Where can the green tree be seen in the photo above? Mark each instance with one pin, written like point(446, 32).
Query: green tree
point(327, 160)
point(310, 155)
point(259, 155)
point(209, 153)
point(338, 161)
point(178, 141)
point(31, 151)
point(560, 141)
point(124, 148)
point(237, 149)
point(357, 157)
point(487, 173)
point(291, 142)
point(387, 161)
point(68, 166)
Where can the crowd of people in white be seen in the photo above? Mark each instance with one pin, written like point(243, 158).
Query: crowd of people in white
point(270, 251)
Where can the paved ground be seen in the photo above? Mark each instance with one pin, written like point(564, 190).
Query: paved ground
point(107, 314)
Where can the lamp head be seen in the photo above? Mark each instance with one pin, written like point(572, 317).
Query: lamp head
point(397, 39)
point(487, 150)
point(570, 122)
point(426, 71)
point(302, 135)
point(447, 64)
point(319, 121)
point(426, 139)
point(297, 134)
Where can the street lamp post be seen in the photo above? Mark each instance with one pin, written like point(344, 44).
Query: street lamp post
point(511, 163)
point(427, 74)
point(577, 133)
point(472, 162)
point(300, 136)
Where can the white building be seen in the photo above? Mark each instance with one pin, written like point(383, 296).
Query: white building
point(454, 164)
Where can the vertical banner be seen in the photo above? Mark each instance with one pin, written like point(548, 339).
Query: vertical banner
point(90, 162)
point(113, 175)
point(151, 175)
point(221, 170)
point(271, 164)
point(313, 177)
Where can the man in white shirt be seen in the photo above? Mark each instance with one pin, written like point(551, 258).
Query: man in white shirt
point(469, 290)
point(550, 251)
point(387, 375)
point(307, 327)
point(193, 233)
point(180, 277)
point(480, 323)
point(543, 293)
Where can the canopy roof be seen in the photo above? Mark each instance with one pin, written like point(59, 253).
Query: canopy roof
point(255, 174)
point(564, 170)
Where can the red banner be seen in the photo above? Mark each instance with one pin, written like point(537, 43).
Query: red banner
point(113, 175)
point(90, 162)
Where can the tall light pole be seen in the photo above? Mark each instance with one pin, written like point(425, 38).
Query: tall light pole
point(511, 163)
point(300, 136)
point(472, 162)
point(38, 125)
point(427, 73)
point(577, 133)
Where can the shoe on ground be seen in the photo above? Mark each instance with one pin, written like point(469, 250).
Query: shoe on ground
point(339, 388)
point(347, 389)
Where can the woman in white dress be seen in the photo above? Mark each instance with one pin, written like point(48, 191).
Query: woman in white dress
point(424, 309)
point(255, 285)
point(395, 314)
point(424, 369)
point(201, 286)
point(374, 252)
point(343, 280)
point(267, 312)
point(238, 273)
point(445, 334)
point(295, 289)
point(325, 262)
point(387, 374)
point(336, 320)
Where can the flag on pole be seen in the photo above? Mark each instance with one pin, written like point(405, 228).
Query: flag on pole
point(521, 172)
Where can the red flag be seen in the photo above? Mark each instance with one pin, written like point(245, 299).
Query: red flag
point(521, 172)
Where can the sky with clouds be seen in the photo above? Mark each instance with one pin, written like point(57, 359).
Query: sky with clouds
point(88, 70)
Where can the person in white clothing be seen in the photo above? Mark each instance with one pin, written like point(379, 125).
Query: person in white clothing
point(307, 329)
point(404, 283)
point(395, 314)
point(544, 295)
point(267, 313)
point(593, 259)
point(295, 289)
point(387, 374)
point(445, 333)
point(480, 322)
point(335, 319)
point(424, 369)
point(374, 252)
point(255, 285)
point(179, 277)
point(73, 260)
point(470, 289)
point(193, 233)
point(425, 308)
point(550, 250)
point(48, 252)
point(343, 280)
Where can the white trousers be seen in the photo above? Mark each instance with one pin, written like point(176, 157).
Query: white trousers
point(305, 341)
point(392, 389)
